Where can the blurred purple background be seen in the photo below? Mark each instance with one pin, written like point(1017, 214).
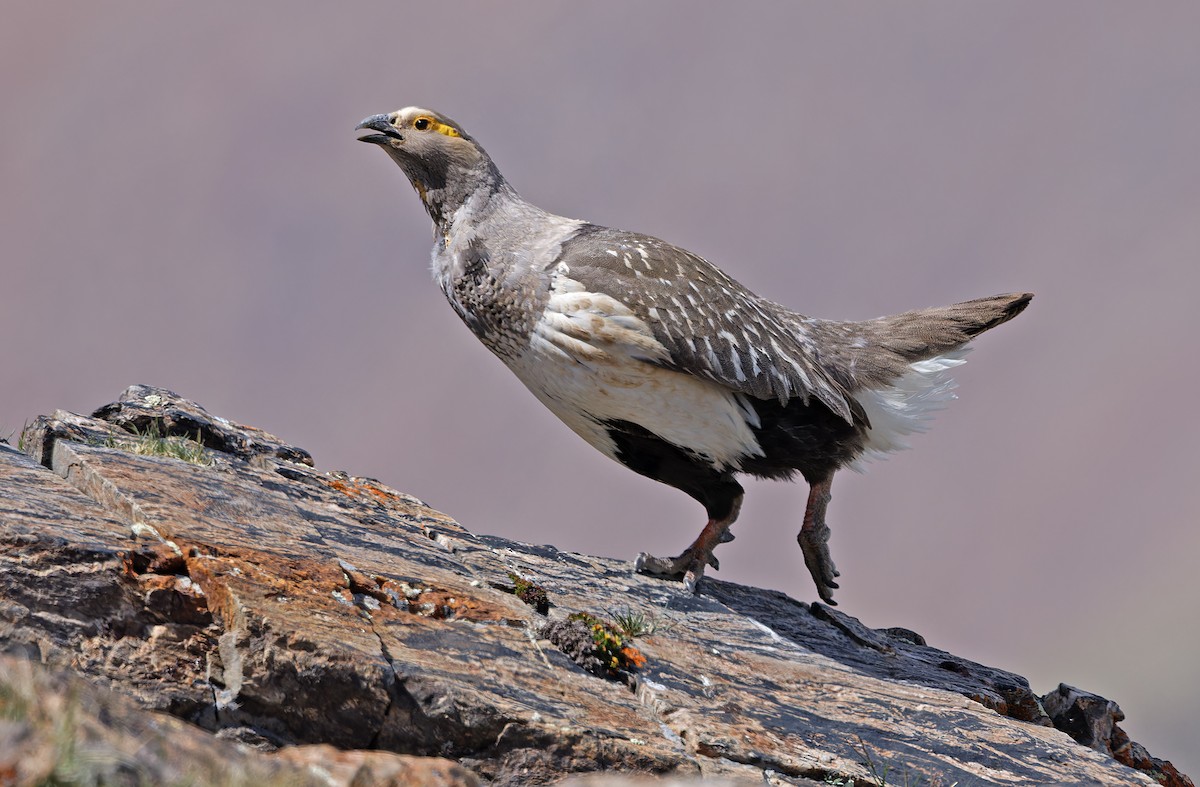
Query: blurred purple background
point(184, 204)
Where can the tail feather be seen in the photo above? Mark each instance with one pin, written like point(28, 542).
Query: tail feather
point(875, 353)
point(906, 374)
point(926, 333)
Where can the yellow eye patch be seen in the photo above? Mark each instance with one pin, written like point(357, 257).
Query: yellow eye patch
point(424, 123)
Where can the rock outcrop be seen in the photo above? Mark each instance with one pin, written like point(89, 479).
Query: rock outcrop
point(235, 611)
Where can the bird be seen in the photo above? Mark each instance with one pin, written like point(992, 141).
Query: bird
point(662, 361)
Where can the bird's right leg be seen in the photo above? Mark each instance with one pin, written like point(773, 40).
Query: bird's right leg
point(814, 539)
point(691, 564)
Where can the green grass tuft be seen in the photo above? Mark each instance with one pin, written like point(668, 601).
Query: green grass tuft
point(635, 623)
point(152, 442)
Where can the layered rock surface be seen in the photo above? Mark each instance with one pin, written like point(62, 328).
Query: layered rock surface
point(282, 608)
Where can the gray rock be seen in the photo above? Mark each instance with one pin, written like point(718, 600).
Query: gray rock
point(279, 606)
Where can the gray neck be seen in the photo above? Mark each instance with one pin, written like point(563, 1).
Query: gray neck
point(445, 196)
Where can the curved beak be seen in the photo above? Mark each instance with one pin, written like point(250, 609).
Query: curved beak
point(383, 125)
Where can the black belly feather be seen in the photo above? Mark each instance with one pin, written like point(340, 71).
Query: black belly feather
point(646, 453)
point(806, 438)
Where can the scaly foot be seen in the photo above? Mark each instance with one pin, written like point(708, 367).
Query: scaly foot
point(814, 540)
point(814, 543)
point(689, 567)
point(691, 564)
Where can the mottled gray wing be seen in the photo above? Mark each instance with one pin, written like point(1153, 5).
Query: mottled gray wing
point(712, 326)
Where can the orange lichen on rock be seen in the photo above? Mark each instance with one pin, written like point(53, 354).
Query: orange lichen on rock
point(367, 488)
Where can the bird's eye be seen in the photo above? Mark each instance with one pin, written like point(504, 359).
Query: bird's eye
point(420, 124)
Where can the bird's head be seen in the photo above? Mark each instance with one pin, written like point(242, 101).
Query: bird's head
point(443, 162)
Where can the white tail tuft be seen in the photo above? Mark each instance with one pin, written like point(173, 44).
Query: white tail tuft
point(907, 405)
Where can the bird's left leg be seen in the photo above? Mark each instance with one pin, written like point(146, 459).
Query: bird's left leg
point(691, 564)
point(814, 538)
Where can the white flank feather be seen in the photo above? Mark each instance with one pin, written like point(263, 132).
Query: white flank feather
point(586, 362)
point(907, 405)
